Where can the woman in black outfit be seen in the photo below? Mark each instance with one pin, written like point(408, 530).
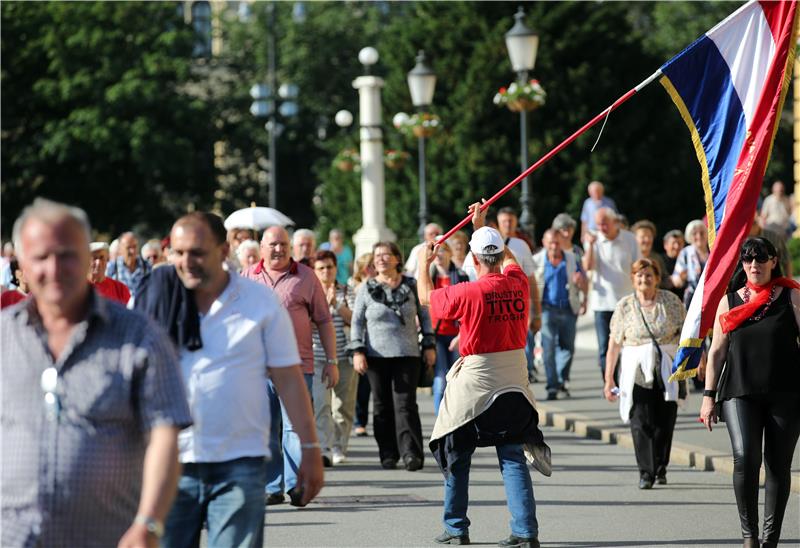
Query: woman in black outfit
point(756, 334)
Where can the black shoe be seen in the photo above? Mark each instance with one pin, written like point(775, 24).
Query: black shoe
point(274, 498)
point(564, 390)
point(413, 463)
point(514, 540)
point(296, 497)
point(552, 396)
point(447, 538)
point(388, 464)
point(661, 480)
point(645, 483)
point(327, 462)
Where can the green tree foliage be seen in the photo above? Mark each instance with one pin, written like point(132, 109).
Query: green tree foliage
point(102, 106)
point(590, 54)
point(96, 112)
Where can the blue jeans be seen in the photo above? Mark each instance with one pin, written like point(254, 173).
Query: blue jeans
point(284, 444)
point(444, 359)
point(228, 495)
point(558, 344)
point(530, 344)
point(518, 487)
point(602, 326)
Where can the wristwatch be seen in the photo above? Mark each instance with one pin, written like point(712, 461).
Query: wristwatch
point(152, 525)
point(332, 361)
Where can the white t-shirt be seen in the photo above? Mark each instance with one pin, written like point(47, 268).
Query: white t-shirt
point(410, 268)
point(612, 273)
point(522, 253)
point(245, 331)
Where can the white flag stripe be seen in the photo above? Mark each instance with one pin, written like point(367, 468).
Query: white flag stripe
point(747, 45)
point(691, 325)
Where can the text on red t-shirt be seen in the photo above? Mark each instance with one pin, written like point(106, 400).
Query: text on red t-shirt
point(493, 311)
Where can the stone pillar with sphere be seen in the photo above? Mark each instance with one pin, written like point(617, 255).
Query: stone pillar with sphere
point(373, 199)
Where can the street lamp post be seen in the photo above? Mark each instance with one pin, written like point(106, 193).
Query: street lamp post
point(522, 44)
point(263, 106)
point(421, 85)
point(265, 98)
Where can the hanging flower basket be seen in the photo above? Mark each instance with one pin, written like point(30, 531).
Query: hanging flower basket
point(395, 159)
point(420, 131)
point(519, 105)
point(348, 159)
point(421, 124)
point(521, 97)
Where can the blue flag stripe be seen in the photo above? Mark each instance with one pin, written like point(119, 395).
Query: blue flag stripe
point(703, 79)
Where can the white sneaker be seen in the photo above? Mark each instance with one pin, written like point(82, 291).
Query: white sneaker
point(338, 456)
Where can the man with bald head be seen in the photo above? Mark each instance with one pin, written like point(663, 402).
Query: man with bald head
point(610, 254)
point(92, 401)
point(429, 235)
point(596, 200)
point(128, 267)
point(303, 297)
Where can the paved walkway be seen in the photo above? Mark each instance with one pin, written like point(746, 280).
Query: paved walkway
point(587, 413)
point(592, 499)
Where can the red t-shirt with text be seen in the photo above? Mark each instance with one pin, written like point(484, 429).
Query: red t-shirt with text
point(114, 290)
point(493, 311)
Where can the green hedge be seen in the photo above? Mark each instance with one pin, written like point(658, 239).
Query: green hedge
point(794, 251)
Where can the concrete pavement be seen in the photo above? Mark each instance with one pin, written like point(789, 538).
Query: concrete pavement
point(592, 498)
point(587, 413)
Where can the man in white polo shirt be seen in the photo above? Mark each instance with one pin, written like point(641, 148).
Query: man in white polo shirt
point(244, 333)
point(610, 253)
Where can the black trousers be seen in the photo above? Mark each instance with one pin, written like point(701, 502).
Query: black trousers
point(394, 401)
point(775, 418)
point(362, 401)
point(652, 425)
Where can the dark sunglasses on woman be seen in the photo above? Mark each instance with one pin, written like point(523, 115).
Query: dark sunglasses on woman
point(758, 256)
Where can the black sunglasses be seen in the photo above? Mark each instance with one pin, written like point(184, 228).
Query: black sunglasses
point(757, 256)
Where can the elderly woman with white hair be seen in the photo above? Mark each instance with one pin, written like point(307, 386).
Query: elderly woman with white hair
point(691, 260)
point(248, 253)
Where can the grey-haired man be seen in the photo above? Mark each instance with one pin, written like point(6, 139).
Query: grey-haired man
point(92, 401)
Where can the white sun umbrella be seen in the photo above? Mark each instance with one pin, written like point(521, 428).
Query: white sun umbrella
point(257, 218)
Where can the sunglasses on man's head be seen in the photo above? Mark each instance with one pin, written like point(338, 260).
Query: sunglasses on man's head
point(757, 256)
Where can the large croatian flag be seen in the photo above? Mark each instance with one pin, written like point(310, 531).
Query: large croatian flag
point(729, 87)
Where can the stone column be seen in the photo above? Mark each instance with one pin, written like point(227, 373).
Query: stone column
point(373, 199)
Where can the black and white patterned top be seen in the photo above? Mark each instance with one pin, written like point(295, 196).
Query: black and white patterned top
point(343, 295)
point(73, 477)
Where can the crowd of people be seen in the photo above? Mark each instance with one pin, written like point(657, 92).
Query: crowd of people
point(251, 359)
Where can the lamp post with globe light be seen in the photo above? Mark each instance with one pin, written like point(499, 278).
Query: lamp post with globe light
point(373, 198)
point(522, 44)
point(263, 106)
point(421, 85)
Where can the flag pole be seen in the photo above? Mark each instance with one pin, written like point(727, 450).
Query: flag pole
point(544, 159)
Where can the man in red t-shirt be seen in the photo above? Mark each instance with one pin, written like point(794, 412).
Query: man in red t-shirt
point(107, 287)
point(487, 401)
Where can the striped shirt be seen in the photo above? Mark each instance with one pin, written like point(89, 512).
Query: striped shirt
point(343, 294)
point(73, 477)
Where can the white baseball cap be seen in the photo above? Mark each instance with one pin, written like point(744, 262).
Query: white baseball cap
point(486, 241)
point(98, 246)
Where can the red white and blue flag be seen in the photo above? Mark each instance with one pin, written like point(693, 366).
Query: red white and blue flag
point(729, 87)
